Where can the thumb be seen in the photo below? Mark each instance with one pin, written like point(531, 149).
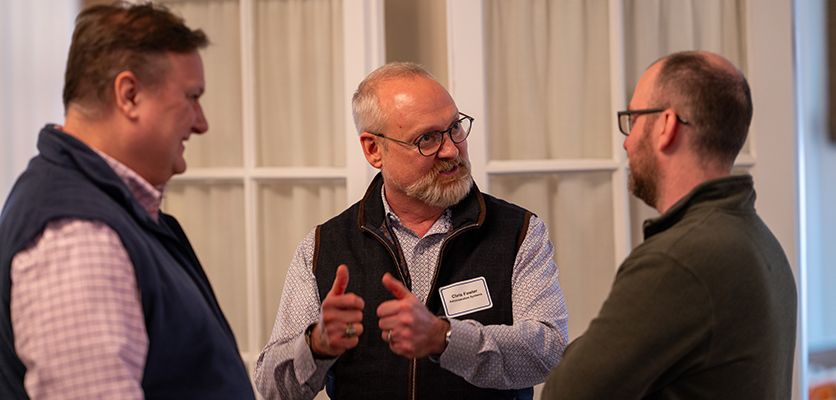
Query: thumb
point(395, 286)
point(341, 281)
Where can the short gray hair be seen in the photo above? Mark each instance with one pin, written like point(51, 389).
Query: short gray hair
point(365, 105)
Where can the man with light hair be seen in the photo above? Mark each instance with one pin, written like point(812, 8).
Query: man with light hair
point(453, 293)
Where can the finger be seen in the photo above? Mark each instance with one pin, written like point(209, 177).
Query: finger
point(346, 302)
point(395, 286)
point(341, 281)
point(388, 308)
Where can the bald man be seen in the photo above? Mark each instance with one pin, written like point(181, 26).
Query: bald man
point(705, 307)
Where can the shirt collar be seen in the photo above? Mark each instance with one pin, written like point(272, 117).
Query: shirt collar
point(149, 196)
point(442, 225)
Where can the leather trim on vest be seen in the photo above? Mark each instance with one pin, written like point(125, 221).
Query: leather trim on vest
point(316, 249)
point(524, 231)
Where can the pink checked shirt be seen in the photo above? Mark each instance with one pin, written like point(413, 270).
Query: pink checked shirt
point(75, 308)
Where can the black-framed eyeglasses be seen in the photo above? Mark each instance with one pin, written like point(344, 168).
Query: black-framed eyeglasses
point(429, 143)
point(625, 118)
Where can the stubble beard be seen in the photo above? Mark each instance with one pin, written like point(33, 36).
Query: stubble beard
point(440, 191)
point(644, 173)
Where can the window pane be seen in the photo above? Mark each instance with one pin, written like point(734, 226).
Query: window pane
point(223, 144)
point(212, 215)
point(548, 79)
point(578, 209)
point(287, 212)
point(300, 96)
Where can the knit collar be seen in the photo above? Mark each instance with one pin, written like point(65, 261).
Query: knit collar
point(734, 192)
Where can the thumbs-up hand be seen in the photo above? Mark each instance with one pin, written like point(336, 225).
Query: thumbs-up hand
point(411, 330)
point(340, 319)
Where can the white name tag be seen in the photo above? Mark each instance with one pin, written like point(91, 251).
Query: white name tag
point(466, 297)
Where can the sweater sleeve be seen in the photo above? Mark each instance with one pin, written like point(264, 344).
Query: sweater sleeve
point(655, 324)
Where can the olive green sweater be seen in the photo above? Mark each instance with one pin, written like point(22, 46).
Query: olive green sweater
point(705, 308)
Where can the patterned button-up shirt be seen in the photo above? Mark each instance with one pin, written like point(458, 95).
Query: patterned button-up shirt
point(490, 356)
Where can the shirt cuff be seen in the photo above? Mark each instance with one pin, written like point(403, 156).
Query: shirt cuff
point(305, 366)
point(465, 343)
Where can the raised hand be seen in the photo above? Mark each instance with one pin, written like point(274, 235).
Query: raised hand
point(411, 330)
point(332, 335)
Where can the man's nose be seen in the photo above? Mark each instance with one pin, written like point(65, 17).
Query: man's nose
point(448, 149)
point(200, 124)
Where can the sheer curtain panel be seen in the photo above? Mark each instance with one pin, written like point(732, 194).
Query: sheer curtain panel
point(34, 40)
point(548, 96)
point(300, 83)
point(272, 164)
point(548, 79)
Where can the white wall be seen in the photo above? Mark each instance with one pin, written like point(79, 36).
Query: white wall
point(819, 163)
point(34, 40)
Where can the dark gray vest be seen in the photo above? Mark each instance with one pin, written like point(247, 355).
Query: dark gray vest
point(484, 240)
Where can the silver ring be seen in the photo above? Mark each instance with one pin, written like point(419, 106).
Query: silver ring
point(389, 336)
point(350, 332)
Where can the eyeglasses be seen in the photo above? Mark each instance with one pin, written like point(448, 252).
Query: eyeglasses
point(429, 143)
point(625, 118)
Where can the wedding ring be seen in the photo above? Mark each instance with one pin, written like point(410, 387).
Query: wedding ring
point(350, 332)
point(389, 336)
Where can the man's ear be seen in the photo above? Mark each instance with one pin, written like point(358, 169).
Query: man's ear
point(670, 130)
point(372, 149)
point(126, 89)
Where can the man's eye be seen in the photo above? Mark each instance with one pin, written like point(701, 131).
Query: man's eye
point(427, 137)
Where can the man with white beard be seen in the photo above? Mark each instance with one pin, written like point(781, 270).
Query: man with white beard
point(453, 293)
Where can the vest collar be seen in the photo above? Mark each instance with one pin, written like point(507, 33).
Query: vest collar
point(65, 150)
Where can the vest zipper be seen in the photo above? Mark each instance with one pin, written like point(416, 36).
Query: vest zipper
point(441, 253)
point(414, 377)
point(392, 254)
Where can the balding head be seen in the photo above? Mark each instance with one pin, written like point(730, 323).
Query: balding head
point(713, 95)
point(365, 104)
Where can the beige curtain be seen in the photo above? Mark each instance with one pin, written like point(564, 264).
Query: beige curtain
point(298, 107)
point(299, 83)
point(223, 144)
point(655, 28)
point(548, 85)
point(548, 79)
point(577, 207)
point(288, 211)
